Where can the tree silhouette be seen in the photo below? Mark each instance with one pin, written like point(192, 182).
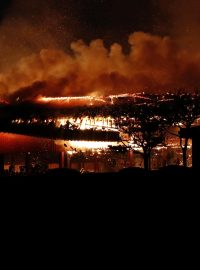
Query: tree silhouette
point(182, 113)
point(145, 127)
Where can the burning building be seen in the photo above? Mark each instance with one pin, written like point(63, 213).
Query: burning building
point(83, 141)
point(84, 130)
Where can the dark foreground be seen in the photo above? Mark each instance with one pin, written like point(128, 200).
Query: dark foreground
point(62, 176)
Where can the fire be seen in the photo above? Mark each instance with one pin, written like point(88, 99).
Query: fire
point(90, 100)
point(83, 123)
point(83, 145)
point(78, 100)
point(2, 101)
point(47, 99)
point(96, 123)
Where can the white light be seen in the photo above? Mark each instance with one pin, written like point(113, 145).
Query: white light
point(68, 99)
point(97, 123)
point(91, 144)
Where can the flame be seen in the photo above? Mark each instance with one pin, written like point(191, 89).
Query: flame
point(72, 101)
point(97, 123)
point(89, 100)
point(3, 101)
point(82, 123)
point(91, 144)
point(68, 99)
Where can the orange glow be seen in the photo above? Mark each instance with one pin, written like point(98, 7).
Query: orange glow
point(91, 144)
point(47, 99)
point(151, 64)
point(72, 146)
point(88, 100)
point(15, 143)
point(72, 101)
point(97, 123)
point(3, 101)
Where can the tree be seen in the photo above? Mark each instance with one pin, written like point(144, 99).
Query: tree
point(183, 112)
point(145, 127)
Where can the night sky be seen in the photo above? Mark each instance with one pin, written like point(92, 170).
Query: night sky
point(27, 27)
point(32, 25)
point(89, 19)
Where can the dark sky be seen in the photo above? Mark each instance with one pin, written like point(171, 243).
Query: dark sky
point(29, 26)
point(111, 20)
point(3, 6)
point(93, 18)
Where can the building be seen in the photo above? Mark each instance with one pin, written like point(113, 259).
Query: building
point(194, 134)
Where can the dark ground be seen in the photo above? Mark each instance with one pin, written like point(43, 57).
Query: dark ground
point(66, 176)
point(125, 192)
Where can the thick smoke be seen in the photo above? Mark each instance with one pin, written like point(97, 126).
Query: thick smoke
point(153, 64)
point(183, 21)
point(29, 26)
point(34, 59)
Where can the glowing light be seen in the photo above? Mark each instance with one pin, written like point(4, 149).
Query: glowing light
point(90, 144)
point(97, 123)
point(3, 101)
point(129, 95)
point(68, 99)
point(90, 100)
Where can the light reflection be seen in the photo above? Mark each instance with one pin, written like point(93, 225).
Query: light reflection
point(72, 146)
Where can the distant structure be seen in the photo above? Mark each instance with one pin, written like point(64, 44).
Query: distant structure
point(194, 134)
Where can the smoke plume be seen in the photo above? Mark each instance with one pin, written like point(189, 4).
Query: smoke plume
point(35, 59)
point(183, 21)
point(26, 27)
point(153, 64)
